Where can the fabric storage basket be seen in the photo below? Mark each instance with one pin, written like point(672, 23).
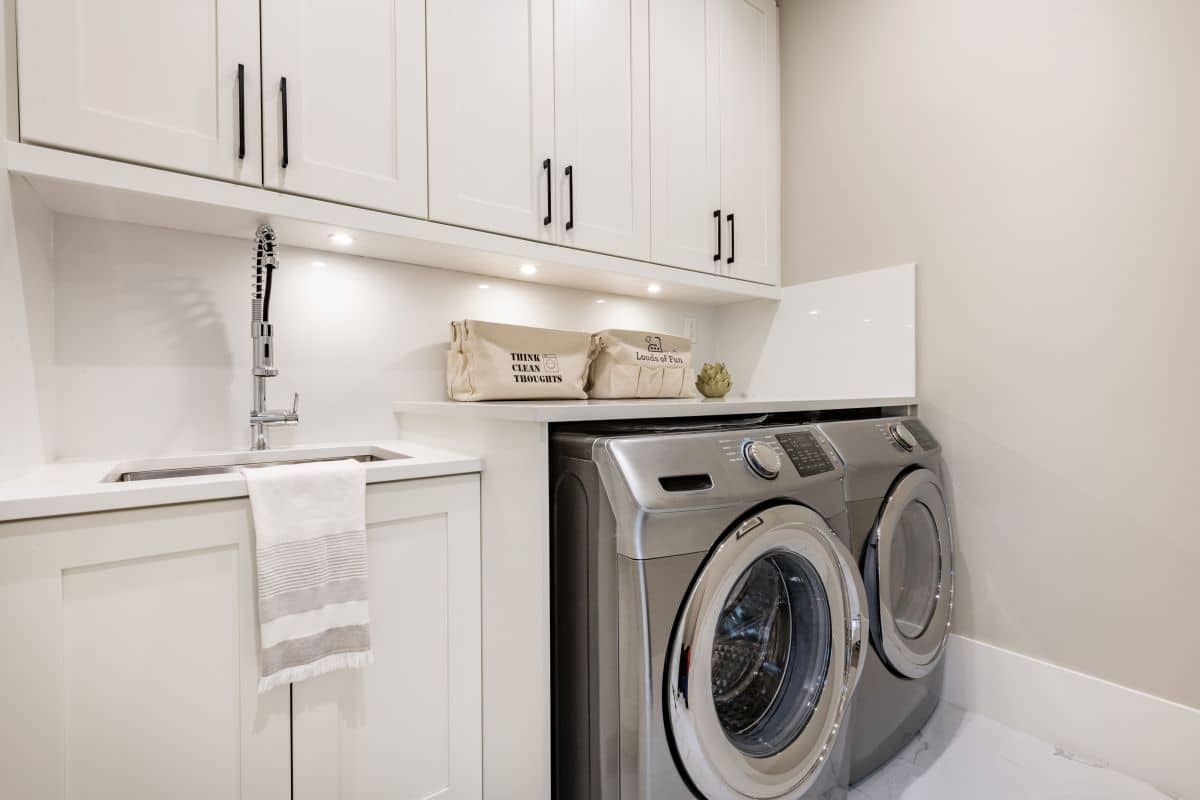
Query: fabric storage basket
point(640, 364)
point(491, 361)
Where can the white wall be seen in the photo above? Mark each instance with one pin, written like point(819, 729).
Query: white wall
point(153, 349)
point(1041, 162)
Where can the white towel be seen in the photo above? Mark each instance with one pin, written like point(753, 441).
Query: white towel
point(311, 543)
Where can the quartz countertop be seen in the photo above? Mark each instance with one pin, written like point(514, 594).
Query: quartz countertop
point(585, 410)
point(82, 487)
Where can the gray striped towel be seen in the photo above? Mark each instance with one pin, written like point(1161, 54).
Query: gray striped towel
point(311, 543)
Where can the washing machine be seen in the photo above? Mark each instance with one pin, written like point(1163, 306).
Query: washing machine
point(709, 623)
point(901, 537)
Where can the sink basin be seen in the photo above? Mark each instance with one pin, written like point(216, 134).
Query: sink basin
point(226, 463)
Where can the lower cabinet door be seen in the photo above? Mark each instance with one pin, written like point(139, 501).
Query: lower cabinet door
point(130, 659)
point(409, 726)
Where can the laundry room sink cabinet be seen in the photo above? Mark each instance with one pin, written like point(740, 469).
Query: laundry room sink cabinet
point(132, 666)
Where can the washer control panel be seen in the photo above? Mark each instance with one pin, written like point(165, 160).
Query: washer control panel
point(805, 452)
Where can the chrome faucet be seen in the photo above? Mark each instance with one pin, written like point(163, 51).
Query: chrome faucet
point(261, 417)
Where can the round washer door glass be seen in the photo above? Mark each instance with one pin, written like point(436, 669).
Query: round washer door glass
point(916, 570)
point(765, 651)
point(770, 654)
point(909, 573)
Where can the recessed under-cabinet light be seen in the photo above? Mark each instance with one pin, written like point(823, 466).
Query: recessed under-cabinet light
point(601, 301)
point(484, 286)
point(654, 288)
point(341, 239)
point(528, 269)
point(319, 264)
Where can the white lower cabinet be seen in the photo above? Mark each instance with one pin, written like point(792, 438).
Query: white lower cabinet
point(409, 727)
point(131, 660)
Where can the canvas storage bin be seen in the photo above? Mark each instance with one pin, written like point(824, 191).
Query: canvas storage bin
point(491, 361)
point(640, 364)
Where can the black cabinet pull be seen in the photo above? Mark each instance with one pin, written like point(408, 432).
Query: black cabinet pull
point(732, 241)
point(570, 197)
point(283, 162)
point(549, 178)
point(717, 217)
point(241, 111)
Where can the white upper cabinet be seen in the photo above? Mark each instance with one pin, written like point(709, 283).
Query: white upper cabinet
point(602, 135)
point(685, 133)
point(169, 84)
point(491, 115)
point(714, 119)
point(749, 139)
point(355, 101)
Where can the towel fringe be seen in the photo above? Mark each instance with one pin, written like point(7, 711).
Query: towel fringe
point(319, 667)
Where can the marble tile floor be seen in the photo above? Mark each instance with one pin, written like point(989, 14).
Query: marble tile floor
point(964, 756)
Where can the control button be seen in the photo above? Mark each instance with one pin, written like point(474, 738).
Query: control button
point(762, 459)
point(903, 436)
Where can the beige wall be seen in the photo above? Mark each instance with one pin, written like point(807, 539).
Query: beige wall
point(1041, 162)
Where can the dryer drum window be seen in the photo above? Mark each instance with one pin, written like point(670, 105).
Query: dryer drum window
point(916, 570)
point(770, 654)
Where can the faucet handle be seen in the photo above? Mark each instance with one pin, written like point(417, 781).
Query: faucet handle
point(295, 404)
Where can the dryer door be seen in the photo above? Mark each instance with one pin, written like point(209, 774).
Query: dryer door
point(909, 573)
point(766, 650)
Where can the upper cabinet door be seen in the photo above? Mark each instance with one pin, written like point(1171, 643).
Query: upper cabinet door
point(355, 101)
point(146, 81)
point(749, 139)
point(685, 133)
point(491, 115)
point(602, 134)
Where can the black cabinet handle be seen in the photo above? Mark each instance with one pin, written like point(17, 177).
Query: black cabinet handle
point(717, 217)
point(546, 166)
point(283, 162)
point(732, 241)
point(570, 197)
point(241, 111)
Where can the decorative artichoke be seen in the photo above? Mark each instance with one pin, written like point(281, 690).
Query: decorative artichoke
point(713, 380)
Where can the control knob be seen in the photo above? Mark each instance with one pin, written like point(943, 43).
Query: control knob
point(762, 459)
point(902, 436)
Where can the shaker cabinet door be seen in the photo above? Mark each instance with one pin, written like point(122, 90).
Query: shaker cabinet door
point(167, 84)
point(408, 727)
point(685, 134)
point(749, 139)
point(601, 130)
point(355, 101)
point(138, 671)
point(491, 115)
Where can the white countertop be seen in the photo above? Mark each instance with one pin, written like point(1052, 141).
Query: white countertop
point(583, 410)
point(82, 487)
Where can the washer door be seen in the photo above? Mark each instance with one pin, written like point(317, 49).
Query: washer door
point(766, 650)
point(909, 572)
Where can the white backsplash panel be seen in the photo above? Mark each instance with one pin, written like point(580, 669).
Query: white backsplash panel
point(153, 337)
point(852, 336)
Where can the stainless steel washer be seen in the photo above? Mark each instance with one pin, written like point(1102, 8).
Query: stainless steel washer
point(709, 623)
point(901, 537)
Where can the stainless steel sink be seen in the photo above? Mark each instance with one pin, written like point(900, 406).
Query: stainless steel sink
point(227, 463)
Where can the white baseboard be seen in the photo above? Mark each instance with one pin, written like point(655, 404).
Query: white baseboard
point(1138, 734)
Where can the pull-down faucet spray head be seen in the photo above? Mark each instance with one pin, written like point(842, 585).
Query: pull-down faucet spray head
point(265, 263)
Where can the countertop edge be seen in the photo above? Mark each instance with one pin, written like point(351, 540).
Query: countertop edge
point(583, 410)
point(42, 497)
